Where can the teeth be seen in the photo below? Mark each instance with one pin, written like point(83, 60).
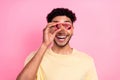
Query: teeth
point(61, 36)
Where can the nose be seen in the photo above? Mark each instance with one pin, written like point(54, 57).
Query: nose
point(60, 26)
point(62, 29)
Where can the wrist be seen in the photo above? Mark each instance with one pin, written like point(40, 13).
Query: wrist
point(44, 45)
point(42, 49)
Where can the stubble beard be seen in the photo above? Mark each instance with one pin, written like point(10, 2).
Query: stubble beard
point(63, 44)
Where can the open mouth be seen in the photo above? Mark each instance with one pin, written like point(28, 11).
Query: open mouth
point(61, 38)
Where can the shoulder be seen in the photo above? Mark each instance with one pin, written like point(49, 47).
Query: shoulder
point(84, 58)
point(29, 57)
point(82, 55)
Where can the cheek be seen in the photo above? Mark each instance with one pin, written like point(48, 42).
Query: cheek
point(70, 32)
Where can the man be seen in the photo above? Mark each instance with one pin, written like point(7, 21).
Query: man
point(59, 62)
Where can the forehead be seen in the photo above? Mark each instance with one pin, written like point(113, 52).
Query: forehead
point(61, 19)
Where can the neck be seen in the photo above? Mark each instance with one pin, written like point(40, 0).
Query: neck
point(62, 50)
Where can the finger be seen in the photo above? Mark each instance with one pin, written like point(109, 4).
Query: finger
point(51, 24)
point(50, 27)
point(56, 32)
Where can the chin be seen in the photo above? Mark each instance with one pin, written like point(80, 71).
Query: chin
point(60, 44)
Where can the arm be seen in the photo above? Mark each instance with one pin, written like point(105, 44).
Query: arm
point(30, 70)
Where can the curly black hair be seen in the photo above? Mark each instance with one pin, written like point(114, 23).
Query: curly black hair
point(61, 12)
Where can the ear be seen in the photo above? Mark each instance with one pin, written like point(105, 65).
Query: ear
point(73, 27)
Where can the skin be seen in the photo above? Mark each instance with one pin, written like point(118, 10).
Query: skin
point(60, 46)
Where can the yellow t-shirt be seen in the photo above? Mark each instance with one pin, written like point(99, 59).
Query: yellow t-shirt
point(75, 66)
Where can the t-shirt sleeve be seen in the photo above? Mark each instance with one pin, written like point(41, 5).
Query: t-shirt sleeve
point(91, 74)
point(40, 74)
point(29, 57)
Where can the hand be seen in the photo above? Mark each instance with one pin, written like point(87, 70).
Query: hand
point(49, 33)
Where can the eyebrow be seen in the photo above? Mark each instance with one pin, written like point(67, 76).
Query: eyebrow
point(68, 21)
point(64, 21)
point(55, 21)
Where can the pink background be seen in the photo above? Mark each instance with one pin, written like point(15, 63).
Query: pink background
point(97, 32)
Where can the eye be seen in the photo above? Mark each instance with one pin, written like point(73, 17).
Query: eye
point(67, 26)
point(57, 26)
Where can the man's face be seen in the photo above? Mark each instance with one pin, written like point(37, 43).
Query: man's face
point(63, 37)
